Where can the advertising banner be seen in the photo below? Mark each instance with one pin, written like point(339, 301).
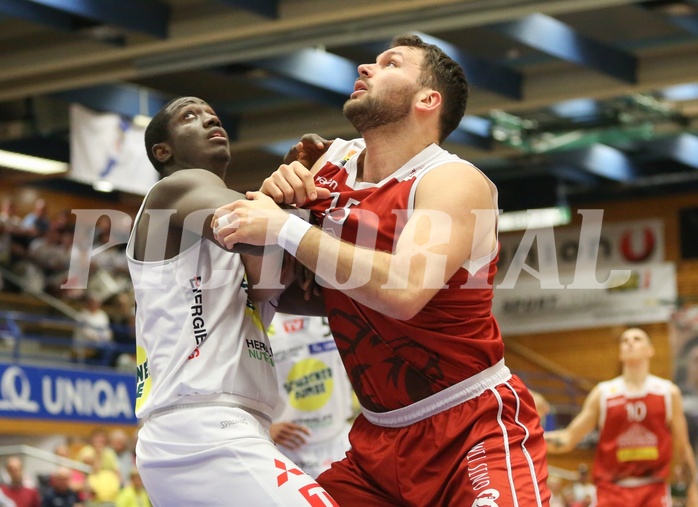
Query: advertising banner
point(32, 392)
point(648, 295)
point(107, 147)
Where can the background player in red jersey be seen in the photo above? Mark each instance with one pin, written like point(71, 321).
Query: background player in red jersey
point(642, 426)
point(407, 269)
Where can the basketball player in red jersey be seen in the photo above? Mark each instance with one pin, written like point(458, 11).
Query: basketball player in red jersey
point(642, 426)
point(407, 258)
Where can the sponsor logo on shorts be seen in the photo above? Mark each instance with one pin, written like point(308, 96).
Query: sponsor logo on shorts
point(232, 422)
point(312, 492)
point(479, 476)
point(282, 478)
point(487, 498)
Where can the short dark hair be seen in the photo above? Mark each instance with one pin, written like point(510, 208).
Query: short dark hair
point(441, 72)
point(157, 132)
point(630, 327)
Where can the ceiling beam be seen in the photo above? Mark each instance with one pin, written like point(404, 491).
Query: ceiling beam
point(267, 8)
point(39, 14)
point(682, 149)
point(577, 110)
point(601, 160)
point(232, 43)
point(290, 88)
point(145, 16)
point(555, 38)
point(315, 67)
point(479, 72)
point(473, 131)
point(126, 100)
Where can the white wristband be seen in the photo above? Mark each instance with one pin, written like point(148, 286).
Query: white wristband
point(292, 233)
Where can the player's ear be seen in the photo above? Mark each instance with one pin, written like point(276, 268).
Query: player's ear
point(162, 152)
point(428, 99)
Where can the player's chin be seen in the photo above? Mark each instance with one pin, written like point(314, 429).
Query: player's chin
point(244, 248)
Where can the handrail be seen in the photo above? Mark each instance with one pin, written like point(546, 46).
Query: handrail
point(13, 318)
point(11, 450)
point(50, 300)
point(563, 473)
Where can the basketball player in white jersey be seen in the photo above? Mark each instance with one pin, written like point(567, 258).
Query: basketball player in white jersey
point(206, 382)
point(312, 420)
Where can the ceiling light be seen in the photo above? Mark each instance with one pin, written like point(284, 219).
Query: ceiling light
point(103, 186)
point(141, 120)
point(534, 218)
point(31, 164)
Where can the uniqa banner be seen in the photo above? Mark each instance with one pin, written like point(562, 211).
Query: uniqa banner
point(108, 147)
point(30, 392)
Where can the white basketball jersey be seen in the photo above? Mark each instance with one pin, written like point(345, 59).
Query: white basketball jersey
point(198, 336)
point(314, 388)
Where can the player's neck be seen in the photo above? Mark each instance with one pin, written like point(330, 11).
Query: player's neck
point(385, 154)
point(635, 373)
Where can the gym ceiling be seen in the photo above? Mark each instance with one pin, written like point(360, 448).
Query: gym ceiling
point(572, 101)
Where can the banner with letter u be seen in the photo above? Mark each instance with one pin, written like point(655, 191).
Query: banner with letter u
point(30, 392)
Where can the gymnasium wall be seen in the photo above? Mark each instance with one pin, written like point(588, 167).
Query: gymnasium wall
point(591, 355)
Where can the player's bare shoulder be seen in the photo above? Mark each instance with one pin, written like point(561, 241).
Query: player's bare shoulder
point(168, 190)
point(459, 182)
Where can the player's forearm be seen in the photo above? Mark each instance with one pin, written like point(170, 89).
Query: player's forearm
point(692, 494)
point(558, 441)
point(371, 277)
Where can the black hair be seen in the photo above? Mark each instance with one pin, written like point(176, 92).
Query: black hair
point(157, 132)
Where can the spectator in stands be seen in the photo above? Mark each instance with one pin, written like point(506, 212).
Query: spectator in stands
point(59, 492)
point(63, 220)
point(556, 486)
point(102, 484)
point(583, 490)
point(133, 495)
point(77, 478)
point(126, 458)
point(109, 274)
point(43, 254)
point(8, 213)
point(123, 318)
point(61, 265)
point(36, 222)
point(93, 334)
point(20, 493)
point(98, 446)
point(10, 248)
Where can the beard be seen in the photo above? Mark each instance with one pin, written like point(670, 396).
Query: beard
point(370, 112)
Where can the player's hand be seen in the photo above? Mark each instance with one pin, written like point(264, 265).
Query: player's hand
point(308, 150)
point(293, 184)
point(290, 435)
point(255, 221)
point(306, 280)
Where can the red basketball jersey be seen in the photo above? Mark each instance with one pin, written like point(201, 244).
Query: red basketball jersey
point(635, 436)
point(393, 363)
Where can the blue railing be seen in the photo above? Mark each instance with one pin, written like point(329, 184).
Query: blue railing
point(19, 330)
